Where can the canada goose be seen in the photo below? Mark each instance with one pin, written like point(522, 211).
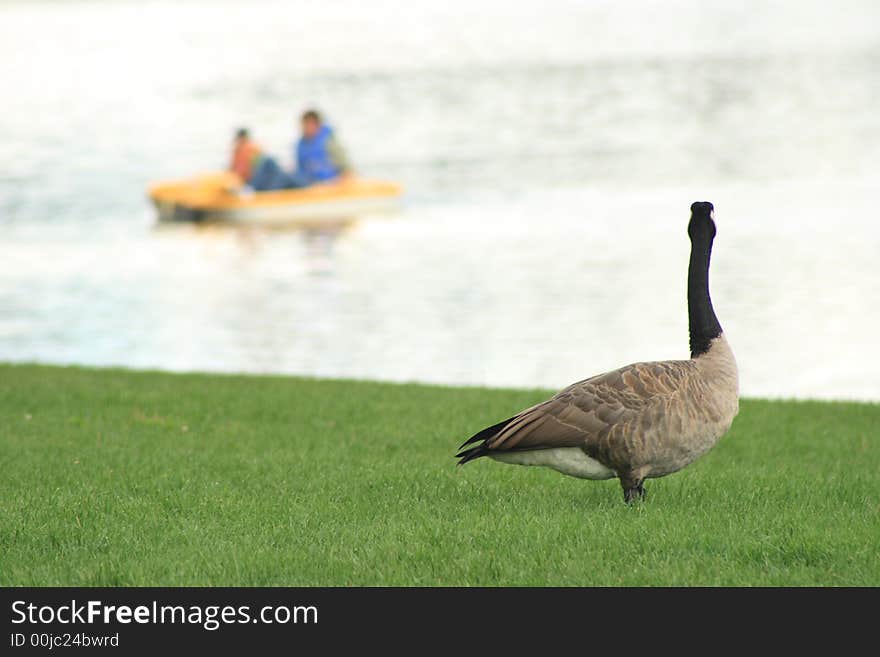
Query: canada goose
point(644, 420)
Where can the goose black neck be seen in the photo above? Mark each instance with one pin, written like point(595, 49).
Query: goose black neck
point(702, 322)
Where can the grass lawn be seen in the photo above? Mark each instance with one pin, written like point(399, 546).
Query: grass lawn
point(125, 478)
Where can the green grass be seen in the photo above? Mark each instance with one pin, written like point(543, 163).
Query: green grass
point(125, 478)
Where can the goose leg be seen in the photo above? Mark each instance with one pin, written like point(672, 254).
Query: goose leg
point(633, 488)
point(630, 495)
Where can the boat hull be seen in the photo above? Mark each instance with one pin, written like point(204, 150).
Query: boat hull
point(211, 198)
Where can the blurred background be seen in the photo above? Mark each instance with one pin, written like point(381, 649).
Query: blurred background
point(550, 150)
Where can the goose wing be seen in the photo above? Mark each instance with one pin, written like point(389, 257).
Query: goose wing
point(584, 413)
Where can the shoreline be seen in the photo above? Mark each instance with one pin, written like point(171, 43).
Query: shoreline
point(223, 374)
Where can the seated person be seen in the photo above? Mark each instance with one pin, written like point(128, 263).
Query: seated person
point(258, 172)
point(319, 155)
point(245, 155)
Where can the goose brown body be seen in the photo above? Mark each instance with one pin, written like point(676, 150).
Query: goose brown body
point(641, 421)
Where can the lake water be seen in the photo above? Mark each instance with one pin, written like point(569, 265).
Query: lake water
point(550, 151)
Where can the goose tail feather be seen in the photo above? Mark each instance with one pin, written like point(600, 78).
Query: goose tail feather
point(466, 455)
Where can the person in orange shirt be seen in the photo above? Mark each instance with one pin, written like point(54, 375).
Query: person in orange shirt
point(245, 155)
point(258, 172)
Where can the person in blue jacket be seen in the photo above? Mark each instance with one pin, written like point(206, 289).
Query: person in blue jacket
point(318, 154)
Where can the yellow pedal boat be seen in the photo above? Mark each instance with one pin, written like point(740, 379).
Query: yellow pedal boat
point(212, 198)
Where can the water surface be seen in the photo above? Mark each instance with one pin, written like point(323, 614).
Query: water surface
point(550, 151)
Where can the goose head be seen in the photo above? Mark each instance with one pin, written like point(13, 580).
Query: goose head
point(702, 224)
